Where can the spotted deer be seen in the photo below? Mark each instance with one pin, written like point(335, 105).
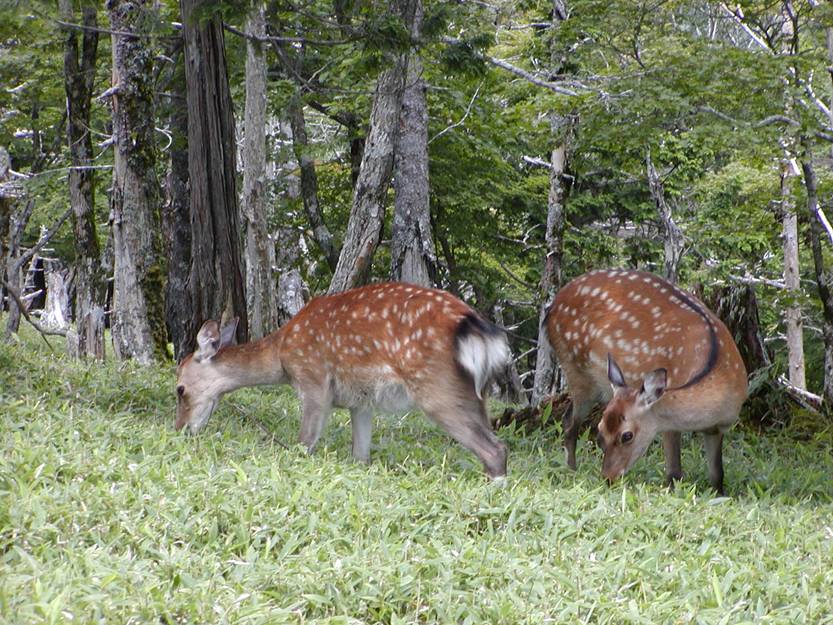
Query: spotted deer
point(384, 347)
point(660, 359)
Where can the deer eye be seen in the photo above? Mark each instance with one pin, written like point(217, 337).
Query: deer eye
point(180, 390)
point(627, 437)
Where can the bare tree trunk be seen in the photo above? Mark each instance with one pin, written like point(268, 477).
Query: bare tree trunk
point(260, 249)
point(551, 279)
point(176, 213)
point(216, 283)
point(367, 215)
point(792, 314)
point(672, 236)
point(413, 255)
point(138, 317)
point(79, 76)
point(824, 279)
point(309, 182)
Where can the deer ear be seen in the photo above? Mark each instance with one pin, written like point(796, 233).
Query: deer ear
point(614, 373)
point(228, 333)
point(653, 387)
point(208, 341)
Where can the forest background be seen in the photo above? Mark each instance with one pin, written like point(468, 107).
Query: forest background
point(169, 163)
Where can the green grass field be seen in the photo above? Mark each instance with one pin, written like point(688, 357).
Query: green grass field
point(109, 516)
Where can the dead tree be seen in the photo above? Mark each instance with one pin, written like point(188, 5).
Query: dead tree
point(216, 285)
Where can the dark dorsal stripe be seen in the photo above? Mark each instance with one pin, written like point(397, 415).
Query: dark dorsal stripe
point(711, 361)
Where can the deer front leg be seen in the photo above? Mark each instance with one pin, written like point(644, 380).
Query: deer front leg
point(673, 461)
point(361, 420)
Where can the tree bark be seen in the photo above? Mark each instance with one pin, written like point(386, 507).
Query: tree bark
point(364, 229)
point(824, 279)
point(138, 317)
point(260, 249)
point(792, 313)
point(176, 213)
point(216, 283)
point(79, 76)
point(672, 236)
point(309, 183)
point(413, 255)
point(551, 279)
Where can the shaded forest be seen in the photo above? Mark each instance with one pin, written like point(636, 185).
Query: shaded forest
point(162, 164)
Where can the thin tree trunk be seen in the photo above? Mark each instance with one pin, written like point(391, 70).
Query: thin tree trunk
point(79, 75)
point(792, 314)
point(672, 236)
point(216, 283)
point(364, 229)
point(309, 182)
point(551, 279)
point(176, 214)
point(413, 255)
point(138, 317)
point(824, 279)
point(260, 250)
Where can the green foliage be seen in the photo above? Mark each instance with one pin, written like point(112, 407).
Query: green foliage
point(108, 515)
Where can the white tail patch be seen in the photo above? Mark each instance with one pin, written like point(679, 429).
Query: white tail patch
point(482, 356)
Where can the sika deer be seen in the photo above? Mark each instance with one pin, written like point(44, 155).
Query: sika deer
point(684, 369)
point(384, 346)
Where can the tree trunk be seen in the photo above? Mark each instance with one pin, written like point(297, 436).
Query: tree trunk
point(260, 249)
point(672, 236)
point(176, 215)
point(309, 182)
point(364, 229)
point(792, 314)
point(138, 315)
point(824, 280)
point(551, 279)
point(413, 255)
point(216, 284)
point(79, 76)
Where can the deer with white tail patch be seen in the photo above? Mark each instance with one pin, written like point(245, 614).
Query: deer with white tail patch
point(383, 347)
point(661, 360)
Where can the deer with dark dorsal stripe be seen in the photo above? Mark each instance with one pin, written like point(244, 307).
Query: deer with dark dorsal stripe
point(385, 346)
point(662, 361)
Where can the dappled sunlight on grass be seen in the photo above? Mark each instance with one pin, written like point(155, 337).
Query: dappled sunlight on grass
point(108, 515)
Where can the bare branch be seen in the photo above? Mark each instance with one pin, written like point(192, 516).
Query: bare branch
point(44, 332)
point(277, 39)
point(513, 69)
point(462, 119)
point(747, 279)
point(42, 241)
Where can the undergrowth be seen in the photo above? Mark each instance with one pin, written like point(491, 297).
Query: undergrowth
point(109, 516)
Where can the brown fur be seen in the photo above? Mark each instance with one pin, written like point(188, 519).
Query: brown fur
point(385, 346)
point(646, 325)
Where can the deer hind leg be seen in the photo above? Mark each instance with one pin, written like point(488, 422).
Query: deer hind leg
point(713, 444)
point(318, 404)
point(361, 420)
point(463, 417)
point(571, 424)
point(673, 462)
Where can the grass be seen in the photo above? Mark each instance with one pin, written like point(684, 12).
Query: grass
point(109, 516)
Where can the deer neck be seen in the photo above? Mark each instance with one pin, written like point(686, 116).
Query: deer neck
point(251, 364)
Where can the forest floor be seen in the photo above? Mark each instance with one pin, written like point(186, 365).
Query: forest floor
point(109, 516)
